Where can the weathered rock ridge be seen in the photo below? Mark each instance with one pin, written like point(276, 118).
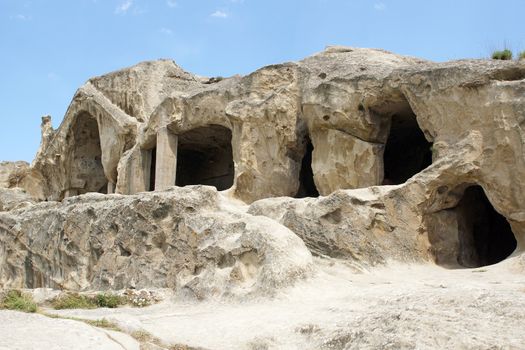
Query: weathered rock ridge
point(399, 159)
point(183, 239)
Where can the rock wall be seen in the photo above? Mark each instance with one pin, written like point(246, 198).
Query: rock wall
point(392, 143)
point(183, 239)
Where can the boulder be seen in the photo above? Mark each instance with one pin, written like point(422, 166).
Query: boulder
point(11, 199)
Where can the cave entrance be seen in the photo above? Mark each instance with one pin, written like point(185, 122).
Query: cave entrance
point(485, 236)
point(205, 157)
point(87, 172)
point(307, 186)
point(407, 151)
point(152, 169)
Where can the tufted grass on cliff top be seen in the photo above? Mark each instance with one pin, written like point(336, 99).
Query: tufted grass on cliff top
point(16, 300)
point(502, 55)
point(77, 301)
point(521, 55)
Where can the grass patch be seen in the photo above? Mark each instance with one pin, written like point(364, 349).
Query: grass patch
point(16, 300)
point(109, 300)
point(102, 323)
point(77, 301)
point(521, 55)
point(73, 301)
point(479, 270)
point(143, 336)
point(502, 55)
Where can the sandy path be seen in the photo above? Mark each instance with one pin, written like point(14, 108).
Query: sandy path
point(401, 306)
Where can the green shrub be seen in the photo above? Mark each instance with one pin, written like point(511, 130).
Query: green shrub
point(109, 300)
point(73, 301)
point(521, 55)
point(16, 300)
point(502, 55)
point(77, 301)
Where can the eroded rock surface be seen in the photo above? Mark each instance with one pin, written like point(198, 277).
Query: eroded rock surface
point(183, 239)
point(357, 157)
point(397, 146)
point(19, 175)
point(365, 227)
point(10, 172)
point(16, 198)
point(33, 331)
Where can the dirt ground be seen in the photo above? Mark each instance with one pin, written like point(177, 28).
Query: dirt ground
point(393, 307)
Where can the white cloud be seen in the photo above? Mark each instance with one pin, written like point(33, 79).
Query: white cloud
point(124, 7)
point(171, 3)
point(219, 14)
point(21, 17)
point(380, 6)
point(166, 31)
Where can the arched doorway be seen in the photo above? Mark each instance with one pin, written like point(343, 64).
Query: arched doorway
point(86, 170)
point(485, 236)
point(471, 233)
point(407, 151)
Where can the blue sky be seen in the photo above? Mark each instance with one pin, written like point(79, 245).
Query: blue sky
point(51, 47)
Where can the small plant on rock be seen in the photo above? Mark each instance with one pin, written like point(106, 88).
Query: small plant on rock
point(502, 55)
point(16, 300)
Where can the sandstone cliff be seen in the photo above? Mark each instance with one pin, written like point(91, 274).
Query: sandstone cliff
point(296, 175)
point(236, 188)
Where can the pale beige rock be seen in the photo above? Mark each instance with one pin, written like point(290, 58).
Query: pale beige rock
point(344, 161)
point(11, 173)
point(417, 162)
point(184, 239)
point(395, 307)
point(11, 199)
point(32, 331)
point(145, 127)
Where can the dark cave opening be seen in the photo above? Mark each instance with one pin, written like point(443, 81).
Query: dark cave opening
point(485, 236)
point(205, 157)
point(307, 186)
point(407, 151)
point(153, 169)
